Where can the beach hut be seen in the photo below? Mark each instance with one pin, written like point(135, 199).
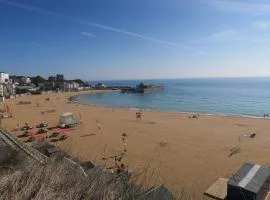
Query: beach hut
point(251, 182)
point(67, 120)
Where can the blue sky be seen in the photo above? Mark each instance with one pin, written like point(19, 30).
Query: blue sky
point(130, 39)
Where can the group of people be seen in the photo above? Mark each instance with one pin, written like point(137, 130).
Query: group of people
point(194, 116)
point(265, 115)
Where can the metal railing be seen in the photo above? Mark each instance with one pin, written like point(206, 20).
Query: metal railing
point(16, 143)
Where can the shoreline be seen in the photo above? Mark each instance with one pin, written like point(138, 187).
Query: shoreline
point(179, 149)
point(73, 100)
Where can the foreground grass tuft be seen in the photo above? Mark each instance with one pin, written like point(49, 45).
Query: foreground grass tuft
point(62, 181)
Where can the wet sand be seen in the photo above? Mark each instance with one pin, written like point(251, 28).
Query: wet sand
point(184, 153)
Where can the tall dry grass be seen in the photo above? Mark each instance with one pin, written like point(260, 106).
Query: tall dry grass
point(62, 181)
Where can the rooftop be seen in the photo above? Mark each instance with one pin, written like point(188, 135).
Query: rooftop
point(250, 177)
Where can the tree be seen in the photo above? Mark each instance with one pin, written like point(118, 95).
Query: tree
point(81, 83)
point(38, 79)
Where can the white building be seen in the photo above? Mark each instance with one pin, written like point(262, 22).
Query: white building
point(26, 80)
point(1, 90)
point(70, 86)
point(7, 89)
point(4, 77)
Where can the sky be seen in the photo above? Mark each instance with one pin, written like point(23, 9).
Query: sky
point(135, 39)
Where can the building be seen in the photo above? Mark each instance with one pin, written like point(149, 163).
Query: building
point(20, 80)
point(70, 86)
point(4, 77)
point(251, 182)
point(52, 78)
point(7, 89)
point(26, 80)
point(60, 77)
point(1, 90)
point(100, 86)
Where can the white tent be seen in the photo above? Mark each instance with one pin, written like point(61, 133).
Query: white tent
point(67, 119)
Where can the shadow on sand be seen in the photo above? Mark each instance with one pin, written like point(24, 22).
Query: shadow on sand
point(87, 135)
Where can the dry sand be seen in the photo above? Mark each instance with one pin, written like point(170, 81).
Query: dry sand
point(185, 153)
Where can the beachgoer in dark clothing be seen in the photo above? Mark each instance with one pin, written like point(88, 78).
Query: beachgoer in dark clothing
point(138, 115)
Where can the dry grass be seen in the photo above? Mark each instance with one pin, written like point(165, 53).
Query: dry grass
point(61, 180)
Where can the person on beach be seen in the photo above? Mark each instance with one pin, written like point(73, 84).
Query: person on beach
point(139, 115)
point(99, 127)
point(81, 120)
point(17, 127)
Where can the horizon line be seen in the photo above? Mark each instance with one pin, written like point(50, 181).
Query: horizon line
point(180, 78)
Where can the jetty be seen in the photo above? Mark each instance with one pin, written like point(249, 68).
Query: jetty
point(142, 88)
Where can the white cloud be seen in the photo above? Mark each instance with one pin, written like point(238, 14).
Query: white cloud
point(261, 25)
point(241, 6)
point(88, 34)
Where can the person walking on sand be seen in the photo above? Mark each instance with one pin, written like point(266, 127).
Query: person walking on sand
point(138, 115)
point(99, 127)
point(81, 120)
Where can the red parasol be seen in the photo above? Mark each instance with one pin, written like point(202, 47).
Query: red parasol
point(63, 132)
point(32, 132)
point(55, 129)
point(40, 137)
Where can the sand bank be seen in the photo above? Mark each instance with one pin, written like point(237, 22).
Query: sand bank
point(190, 153)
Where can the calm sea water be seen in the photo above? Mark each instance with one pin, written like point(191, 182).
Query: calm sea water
point(226, 96)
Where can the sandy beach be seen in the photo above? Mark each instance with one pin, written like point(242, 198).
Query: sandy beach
point(185, 153)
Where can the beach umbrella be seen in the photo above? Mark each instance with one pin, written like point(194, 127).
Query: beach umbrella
point(63, 132)
point(32, 132)
point(55, 129)
point(40, 137)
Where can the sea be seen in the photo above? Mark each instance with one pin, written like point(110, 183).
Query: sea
point(248, 97)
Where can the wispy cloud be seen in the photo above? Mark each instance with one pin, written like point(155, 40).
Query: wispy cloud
point(97, 25)
point(229, 35)
point(88, 34)
point(224, 35)
point(261, 25)
point(238, 6)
